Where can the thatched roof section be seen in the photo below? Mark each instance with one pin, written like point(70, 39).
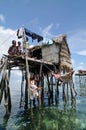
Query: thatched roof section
point(60, 39)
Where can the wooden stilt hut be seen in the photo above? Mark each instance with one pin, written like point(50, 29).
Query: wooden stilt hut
point(40, 60)
point(56, 52)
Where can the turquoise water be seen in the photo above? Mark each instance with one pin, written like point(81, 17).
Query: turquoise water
point(65, 115)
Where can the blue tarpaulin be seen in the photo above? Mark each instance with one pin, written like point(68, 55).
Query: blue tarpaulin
point(29, 33)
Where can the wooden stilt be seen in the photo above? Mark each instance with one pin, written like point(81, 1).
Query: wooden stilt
point(67, 91)
point(39, 103)
point(27, 73)
point(26, 94)
point(74, 88)
point(71, 89)
point(42, 90)
point(27, 76)
point(2, 87)
point(57, 91)
point(57, 87)
point(49, 90)
point(40, 97)
point(51, 83)
point(7, 93)
point(64, 95)
point(41, 84)
point(9, 96)
point(22, 87)
point(5, 119)
point(31, 108)
point(3, 79)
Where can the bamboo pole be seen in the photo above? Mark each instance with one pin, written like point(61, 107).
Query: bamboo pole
point(7, 95)
point(57, 91)
point(40, 85)
point(22, 87)
point(2, 87)
point(64, 95)
point(42, 90)
point(51, 83)
point(27, 74)
point(49, 90)
point(67, 90)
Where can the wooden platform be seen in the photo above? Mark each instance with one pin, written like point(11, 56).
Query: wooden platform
point(80, 74)
point(20, 61)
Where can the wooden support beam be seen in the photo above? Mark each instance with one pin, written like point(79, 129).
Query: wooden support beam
point(51, 83)
point(49, 90)
point(27, 76)
point(7, 93)
point(22, 89)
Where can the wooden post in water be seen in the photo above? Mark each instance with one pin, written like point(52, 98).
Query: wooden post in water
point(41, 84)
point(51, 83)
point(7, 93)
point(27, 76)
point(27, 73)
point(64, 95)
point(22, 87)
point(57, 91)
point(9, 104)
point(49, 90)
point(42, 90)
point(72, 89)
point(67, 90)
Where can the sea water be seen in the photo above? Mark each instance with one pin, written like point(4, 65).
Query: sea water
point(64, 115)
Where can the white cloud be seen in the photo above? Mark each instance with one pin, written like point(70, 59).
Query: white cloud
point(77, 66)
point(46, 32)
point(77, 45)
point(6, 36)
point(49, 31)
point(81, 63)
point(2, 18)
point(80, 66)
point(77, 42)
point(83, 52)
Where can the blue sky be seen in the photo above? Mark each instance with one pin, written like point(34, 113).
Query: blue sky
point(48, 18)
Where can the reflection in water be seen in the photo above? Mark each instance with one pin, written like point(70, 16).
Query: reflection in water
point(5, 119)
point(48, 118)
point(67, 114)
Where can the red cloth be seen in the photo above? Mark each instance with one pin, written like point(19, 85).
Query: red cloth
point(57, 76)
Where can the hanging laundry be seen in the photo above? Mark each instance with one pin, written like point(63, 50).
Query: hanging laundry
point(20, 33)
